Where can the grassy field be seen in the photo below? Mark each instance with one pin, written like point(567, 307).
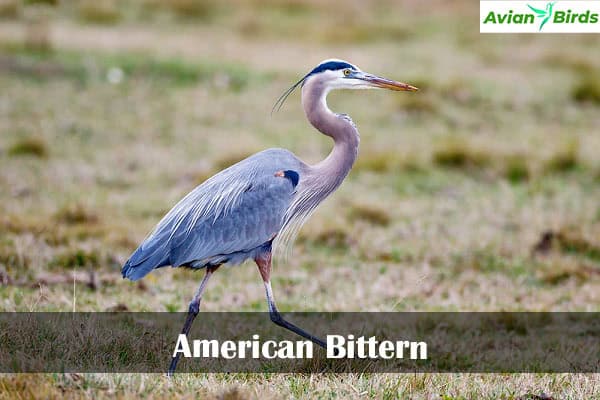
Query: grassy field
point(478, 193)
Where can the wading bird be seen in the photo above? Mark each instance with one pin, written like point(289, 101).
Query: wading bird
point(246, 210)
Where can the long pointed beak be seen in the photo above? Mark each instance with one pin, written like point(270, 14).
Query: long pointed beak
point(383, 83)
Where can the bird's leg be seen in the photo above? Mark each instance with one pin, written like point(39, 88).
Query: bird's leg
point(193, 310)
point(264, 267)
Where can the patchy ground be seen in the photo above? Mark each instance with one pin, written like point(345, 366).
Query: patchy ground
point(480, 192)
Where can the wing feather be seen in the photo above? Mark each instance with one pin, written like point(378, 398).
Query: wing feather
point(222, 192)
point(238, 209)
point(253, 221)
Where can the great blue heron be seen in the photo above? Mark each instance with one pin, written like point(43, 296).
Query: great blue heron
point(245, 210)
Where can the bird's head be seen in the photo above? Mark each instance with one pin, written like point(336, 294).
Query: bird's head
point(339, 74)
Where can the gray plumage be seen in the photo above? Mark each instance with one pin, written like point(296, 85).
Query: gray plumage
point(261, 202)
point(245, 209)
point(224, 220)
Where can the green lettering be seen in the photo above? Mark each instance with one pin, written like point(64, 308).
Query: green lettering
point(573, 18)
point(491, 17)
point(559, 17)
point(529, 18)
point(593, 18)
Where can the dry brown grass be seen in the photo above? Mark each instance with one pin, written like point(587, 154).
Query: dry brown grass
point(188, 8)
point(424, 222)
point(565, 159)
point(75, 214)
point(10, 8)
point(370, 214)
point(99, 11)
point(457, 153)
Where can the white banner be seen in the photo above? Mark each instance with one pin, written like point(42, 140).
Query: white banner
point(498, 16)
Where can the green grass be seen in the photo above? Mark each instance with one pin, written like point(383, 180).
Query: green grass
point(87, 68)
point(33, 147)
point(113, 120)
point(587, 89)
point(516, 169)
point(459, 154)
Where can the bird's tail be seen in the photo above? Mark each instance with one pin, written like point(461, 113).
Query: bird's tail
point(151, 254)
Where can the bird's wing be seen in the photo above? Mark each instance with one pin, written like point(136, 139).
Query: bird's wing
point(255, 219)
point(540, 13)
point(218, 217)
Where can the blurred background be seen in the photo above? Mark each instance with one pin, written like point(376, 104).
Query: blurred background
point(111, 111)
point(480, 192)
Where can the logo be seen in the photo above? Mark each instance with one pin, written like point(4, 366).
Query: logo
point(539, 16)
point(544, 14)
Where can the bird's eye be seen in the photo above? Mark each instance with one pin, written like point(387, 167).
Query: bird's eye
point(347, 72)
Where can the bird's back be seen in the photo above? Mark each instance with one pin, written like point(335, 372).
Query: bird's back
point(225, 219)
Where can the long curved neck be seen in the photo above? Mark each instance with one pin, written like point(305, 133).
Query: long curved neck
point(334, 168)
